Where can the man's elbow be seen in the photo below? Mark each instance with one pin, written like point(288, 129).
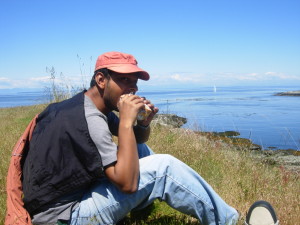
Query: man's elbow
point(142, 140)
point(141, 134)
point(129, 189)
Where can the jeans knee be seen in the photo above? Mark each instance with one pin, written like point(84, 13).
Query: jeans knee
point(167, 160)
point(160, 163)
point(168, 157)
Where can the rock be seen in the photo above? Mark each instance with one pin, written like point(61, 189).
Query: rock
point(228, 133)
point(170, 120)
point(255, 147)
point(287, 159)
point(288, 93)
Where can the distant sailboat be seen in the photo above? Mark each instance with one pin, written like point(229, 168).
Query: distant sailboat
point(215, 88)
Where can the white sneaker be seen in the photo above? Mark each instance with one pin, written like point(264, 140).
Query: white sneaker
point(261, 213)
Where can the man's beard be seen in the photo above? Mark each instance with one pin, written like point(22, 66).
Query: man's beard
point(109, 105)
point(108, 99)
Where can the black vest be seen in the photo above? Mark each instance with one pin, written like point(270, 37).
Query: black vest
point(62, 156)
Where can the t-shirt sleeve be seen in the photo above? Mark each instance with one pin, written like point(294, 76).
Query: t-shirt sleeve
point(100, 132)
point(102, 137)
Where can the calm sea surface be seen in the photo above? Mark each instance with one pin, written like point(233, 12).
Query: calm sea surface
point(14, 97)
point(268, 120)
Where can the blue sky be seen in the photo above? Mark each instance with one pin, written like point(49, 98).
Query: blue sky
point(180, 43)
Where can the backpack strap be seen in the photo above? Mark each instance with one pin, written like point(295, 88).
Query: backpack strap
point(16, 214)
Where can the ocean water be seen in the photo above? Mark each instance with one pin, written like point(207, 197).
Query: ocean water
point(270, 121)
point(21, 97)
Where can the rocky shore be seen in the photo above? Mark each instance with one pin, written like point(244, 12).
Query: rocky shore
point(288, 93)
point(170, 120)
point(288, 159)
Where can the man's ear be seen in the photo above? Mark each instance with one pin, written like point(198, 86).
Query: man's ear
point(100, 80)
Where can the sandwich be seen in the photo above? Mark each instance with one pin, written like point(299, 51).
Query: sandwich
point(143, 113)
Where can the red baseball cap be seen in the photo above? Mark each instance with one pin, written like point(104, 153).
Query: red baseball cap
point(121, 63)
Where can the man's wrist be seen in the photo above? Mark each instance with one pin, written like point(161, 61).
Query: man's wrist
point(142, 126)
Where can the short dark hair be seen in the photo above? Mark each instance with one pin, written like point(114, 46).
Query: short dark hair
point(104, 71)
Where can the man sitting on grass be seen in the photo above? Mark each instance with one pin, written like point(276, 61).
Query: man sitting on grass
point(74, 172)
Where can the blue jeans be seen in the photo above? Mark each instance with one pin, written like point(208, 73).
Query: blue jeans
point(161, 177)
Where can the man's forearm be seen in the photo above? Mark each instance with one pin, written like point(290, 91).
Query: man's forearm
point(125, 172)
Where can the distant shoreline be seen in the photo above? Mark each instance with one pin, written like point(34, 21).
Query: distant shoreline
point(288, 93)
point(289, 158)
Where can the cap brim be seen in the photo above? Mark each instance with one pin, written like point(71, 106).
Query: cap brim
point(128, 68)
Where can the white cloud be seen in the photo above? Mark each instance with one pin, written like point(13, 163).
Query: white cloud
point(270, 73)
point(43, 81)
point(282, 76)
point(225, 78)
point(3, 79)
point(179, 77)
point(175, 79)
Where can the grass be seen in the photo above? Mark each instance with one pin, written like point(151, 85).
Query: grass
point(13, 122)
point(234, 174)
